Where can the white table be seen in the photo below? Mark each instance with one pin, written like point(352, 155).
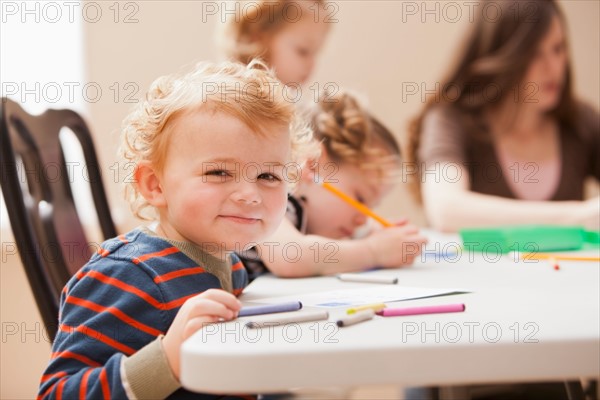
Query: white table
point(523, 322)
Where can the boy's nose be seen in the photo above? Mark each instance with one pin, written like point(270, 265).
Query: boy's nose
point(247, 192)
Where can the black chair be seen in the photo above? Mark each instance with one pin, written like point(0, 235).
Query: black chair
point(36, 186)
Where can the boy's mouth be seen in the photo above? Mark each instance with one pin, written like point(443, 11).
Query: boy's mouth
point(241, 219)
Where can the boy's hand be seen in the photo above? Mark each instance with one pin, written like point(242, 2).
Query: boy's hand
point(397, 245)
point(210, 306)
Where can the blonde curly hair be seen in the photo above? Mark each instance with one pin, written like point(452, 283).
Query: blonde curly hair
point(243, 35)
point(250, 93)
point(351, 135)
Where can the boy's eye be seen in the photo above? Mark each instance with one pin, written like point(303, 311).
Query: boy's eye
point(216, 175)
point(217, 172)
point(271, 178)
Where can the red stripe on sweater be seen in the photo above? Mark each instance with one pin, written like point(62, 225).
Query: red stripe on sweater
point(79, 357)
point(179, 273)
point(94, 334)
point(43, 395)
point(50, 376)
point(104, 383)
point(114, 311)
point(178, 302)
point(59, 388)
point(125, 287)
point(138, 292)
point(237, 266)
point(83, 387)
point(103, 252)
point(162, 253)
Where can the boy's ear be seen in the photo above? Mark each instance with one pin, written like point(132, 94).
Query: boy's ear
point(148, 184)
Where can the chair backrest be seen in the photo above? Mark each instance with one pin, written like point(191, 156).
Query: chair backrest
point(36, 187)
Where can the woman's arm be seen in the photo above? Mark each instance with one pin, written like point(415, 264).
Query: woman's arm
point(450, 206)
point(289, 253)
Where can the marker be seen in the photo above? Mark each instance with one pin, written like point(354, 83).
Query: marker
point(360, 316)
point(276, 320)
point(270, 308)
point(366, 278)
point(356, 204)
point(397, 312)
point(554, 263)
point(375, 307)
point(542, 256)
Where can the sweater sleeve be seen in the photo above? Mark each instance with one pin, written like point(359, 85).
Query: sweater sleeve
point(148, 374)
point(110, 309)
point(442, 138)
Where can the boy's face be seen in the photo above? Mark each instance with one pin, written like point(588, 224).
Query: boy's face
point(222, 184)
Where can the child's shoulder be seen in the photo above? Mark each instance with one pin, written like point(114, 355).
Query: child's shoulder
point(136, 247)
point(130, 246)
point(138, 251)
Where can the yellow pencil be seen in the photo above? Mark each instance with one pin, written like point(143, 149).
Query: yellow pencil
point(542, 256)
point(356, 204)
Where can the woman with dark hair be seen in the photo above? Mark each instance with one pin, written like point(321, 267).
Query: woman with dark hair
point(505, 141)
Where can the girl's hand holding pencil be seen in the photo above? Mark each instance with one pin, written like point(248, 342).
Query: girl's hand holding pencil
point(395, 245)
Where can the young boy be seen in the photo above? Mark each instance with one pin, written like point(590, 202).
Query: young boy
point(211, 149)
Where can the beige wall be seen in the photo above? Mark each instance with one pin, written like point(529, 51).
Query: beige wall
point(369, 50)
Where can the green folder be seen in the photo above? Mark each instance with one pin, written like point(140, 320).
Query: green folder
point(529, 238)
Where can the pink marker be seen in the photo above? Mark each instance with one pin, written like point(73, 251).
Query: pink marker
point(445, 308)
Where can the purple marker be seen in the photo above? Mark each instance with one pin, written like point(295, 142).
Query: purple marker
point(270, 308)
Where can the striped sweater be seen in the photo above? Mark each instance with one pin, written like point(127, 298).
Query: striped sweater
point(118, 303)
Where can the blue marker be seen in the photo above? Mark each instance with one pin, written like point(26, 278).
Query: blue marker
point(270, 308)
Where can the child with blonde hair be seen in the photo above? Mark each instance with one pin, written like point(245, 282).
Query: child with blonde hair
point(210, 149)
point(286, 34)
point(361, 158)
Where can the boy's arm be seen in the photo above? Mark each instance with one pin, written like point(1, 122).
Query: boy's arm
point(104, 318)
point(289, 253)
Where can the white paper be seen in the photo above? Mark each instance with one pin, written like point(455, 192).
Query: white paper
point(361, 296)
